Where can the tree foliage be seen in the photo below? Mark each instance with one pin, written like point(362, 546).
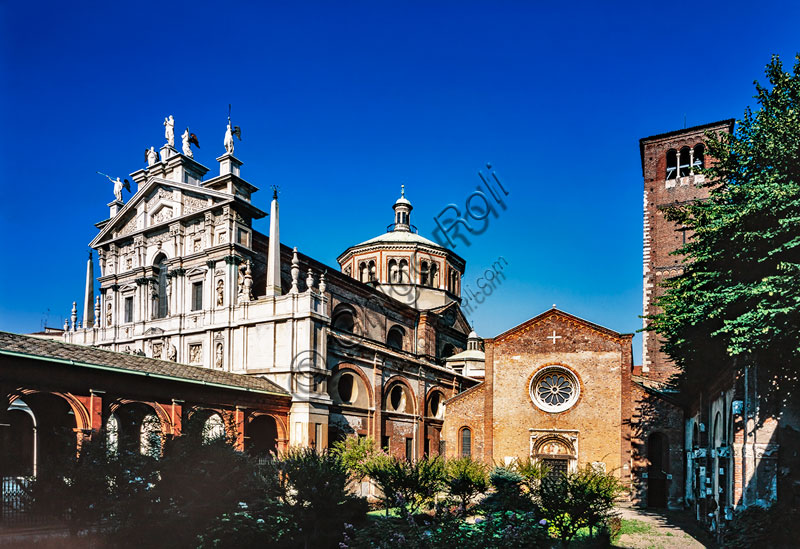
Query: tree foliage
point(465, 478)
point(738, 298)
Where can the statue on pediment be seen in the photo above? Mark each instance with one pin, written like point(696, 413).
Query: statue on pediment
point(151, 156)
point(169, 130)
point(118, 186)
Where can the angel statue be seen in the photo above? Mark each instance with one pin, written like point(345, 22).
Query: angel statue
point(229, 133)
point(118, 186)
point(189, 139)
point(169, 130)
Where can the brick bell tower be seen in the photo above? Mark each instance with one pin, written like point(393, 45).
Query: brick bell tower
point(669, 165)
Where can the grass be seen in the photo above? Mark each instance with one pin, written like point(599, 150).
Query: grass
point(633, 526)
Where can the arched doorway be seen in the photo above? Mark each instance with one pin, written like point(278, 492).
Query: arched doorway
point(262, 436)
point(19, 444)
point(657, 470)
point(55, 441)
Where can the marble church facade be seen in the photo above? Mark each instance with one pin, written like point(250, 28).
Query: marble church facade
point(185, 278)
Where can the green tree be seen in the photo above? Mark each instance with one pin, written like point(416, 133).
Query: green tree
point(738, 299)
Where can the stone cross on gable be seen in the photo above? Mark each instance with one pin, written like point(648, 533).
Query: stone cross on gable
point(554, 337)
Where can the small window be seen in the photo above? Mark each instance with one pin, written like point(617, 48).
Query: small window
point(344, 321)
point(403, 271)
point(373, 272)
point(243, 237)
point(395, 339)
point(672, 164)
point(129, 309)
point(362, 271)
point(424, 273)
point(385, 442)
point(197, 296)
point(394, 272)
point(684, 168)
point(347, 388)
point(699, 160)
point(435, 407)
point(466, 442)
point(409, 448)
point(396, 398)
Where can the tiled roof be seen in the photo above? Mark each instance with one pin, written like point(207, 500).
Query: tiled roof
point(72, 355)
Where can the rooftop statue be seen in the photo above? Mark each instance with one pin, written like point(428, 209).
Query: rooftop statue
point(189, 139)
point(169, 130)
point(151, 156)
point(118, 186)
point(229, 133)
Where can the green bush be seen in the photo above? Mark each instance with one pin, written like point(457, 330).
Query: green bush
point(465, 478)
point(356, 453)
point(309, 488)
point(572, 501)
point(405, 483)
point(509, 493)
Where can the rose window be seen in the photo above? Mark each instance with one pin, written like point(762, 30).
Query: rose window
point(554, 389)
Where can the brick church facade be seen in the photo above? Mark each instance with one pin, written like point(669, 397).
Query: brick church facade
point(557, 389)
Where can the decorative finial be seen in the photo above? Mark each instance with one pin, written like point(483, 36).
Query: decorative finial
point(322, 285)
point(66, 325)
point(310, 280)
point(97, 312)
point(275, 189)
point(295, 271)
point(402, 190)
point(554, 305)
point(74, 315)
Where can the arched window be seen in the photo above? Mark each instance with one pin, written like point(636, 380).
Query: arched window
point(434, 275)
point(424, 273)
point(344, 320)
point(684, 168)
point(672, 164)
point(347, 388)
point(394, 272)
point(373, 272)
point(465, 442)
point(400, 399)
point(395, 338)
point(435, 405)
point(160, 305)
point(403, 271)
point(699, 160)
point(150, 436)
point(112, 434)
point(362, 272)
point(213, 428)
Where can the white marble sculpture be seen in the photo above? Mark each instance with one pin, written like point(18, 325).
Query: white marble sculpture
point(152, 156)
point(229, 138)
point(169, 130)
point(187, 149)
point(118, 186)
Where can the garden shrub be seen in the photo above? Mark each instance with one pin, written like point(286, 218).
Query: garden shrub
point(508, 494)
point(406, 483)
point(465, 479)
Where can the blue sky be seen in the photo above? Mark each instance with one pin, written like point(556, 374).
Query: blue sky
point(341, 103)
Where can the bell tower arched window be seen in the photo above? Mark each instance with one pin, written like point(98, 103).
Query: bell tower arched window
point(684, 165)
point(672, 164)
point(699, 161)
